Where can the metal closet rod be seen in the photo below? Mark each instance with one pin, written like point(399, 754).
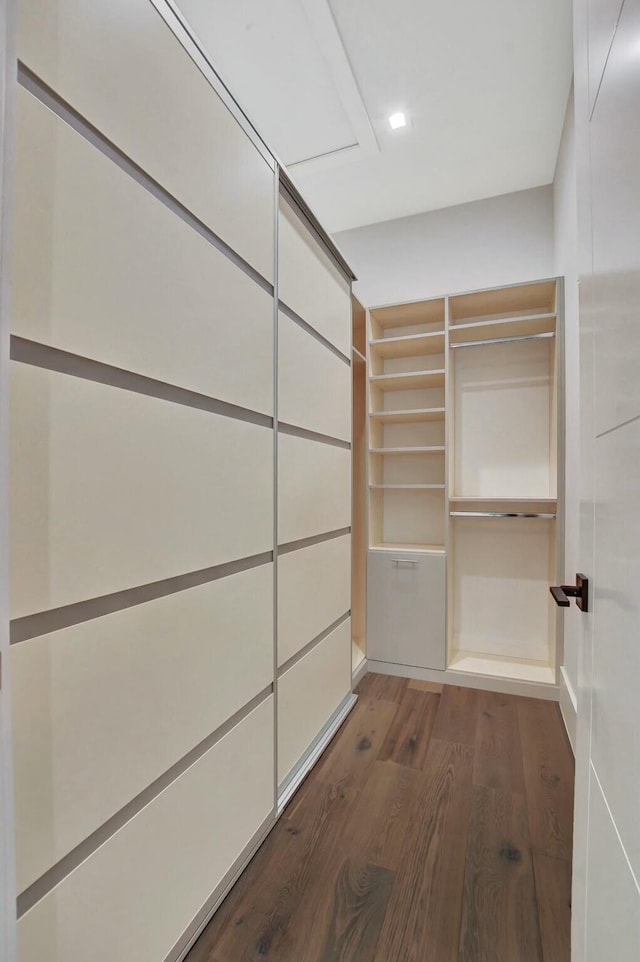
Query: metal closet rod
point(504, 340)
point(498, 514)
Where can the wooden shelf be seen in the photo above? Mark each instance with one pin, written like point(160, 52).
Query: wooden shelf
point(410, 345)
point(408, 487)
point(529, 505)
point(434, 449)
point(427, 313)
point(523, 299)
point(408, 382)
point(406, 546)
point(465, 331)
point(410, 416)
point(477, 663)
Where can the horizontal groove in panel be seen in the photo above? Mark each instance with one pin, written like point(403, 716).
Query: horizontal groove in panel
point(291, 314)
point(313, 643)
point(64, 362)
point(34, 893)
point(114, 289)
point(47, 96)
point(296, 432)
point(314, 539)
point(45, 622)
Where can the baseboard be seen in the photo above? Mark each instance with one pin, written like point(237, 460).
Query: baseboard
point(298, 775)
point(568, 707)
point(360, 672)
point(506, 686)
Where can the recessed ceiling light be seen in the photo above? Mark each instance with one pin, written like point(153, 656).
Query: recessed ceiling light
point(397, 120)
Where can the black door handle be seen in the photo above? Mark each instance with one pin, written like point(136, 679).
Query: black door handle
point(579, 591)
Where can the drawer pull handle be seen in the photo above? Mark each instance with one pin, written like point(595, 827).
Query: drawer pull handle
point(404, 563)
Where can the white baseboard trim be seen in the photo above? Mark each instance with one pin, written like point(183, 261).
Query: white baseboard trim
point(315, 751)
point(465, 679)
point(360, 672)
point(568, 707)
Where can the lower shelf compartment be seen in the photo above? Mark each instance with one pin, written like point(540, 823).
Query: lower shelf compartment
point(477, 663)
point(406, 546)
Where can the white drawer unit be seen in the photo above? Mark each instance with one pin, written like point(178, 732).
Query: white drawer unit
point(406, 608)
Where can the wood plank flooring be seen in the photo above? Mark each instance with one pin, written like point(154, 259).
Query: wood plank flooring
point(436, 828)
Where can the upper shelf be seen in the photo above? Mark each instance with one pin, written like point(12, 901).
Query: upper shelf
point(410, 416)
point(502, 327)
point(427, 314)
point(408, 382)
point(410, 345)
point(506, 302)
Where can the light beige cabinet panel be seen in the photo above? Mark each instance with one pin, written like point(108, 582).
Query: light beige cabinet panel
point(116, 61)
point(309, 282)
point(314, 386)
point(103, 269)
point(407, 608)
point(309, 693)
point(136, 895)
point(111, 489)
point(118, 700)
point(314, 488)
point(314, 590)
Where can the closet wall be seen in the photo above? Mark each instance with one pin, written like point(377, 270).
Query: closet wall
point(180, 485)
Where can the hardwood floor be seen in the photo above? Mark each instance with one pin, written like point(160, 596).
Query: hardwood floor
point(436, 828)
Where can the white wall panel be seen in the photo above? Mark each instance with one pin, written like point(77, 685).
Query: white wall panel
point(310, 284)
point(119, 65)
point(111, 489)
point(314, 488)
point(314, 385)
point(103, 269)
point(136, 895)
point(175, 669)
point(314, 589)
point(308, 694)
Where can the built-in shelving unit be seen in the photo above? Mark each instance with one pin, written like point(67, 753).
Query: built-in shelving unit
point(407, 380)
point(463, 455)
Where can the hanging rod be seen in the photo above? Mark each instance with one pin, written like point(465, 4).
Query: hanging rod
point(504, 340)
point(498, 514)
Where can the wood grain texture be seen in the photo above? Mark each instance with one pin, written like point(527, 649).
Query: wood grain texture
point(423, 918)
point(359, 905)
point(457, 715)
point(416, 684)
point(499, 917)
point(498, 754)
point(407, 741)
point(549, 776)
point(553, 885)
point(380, 859)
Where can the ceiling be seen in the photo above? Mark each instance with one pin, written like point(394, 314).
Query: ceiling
point(483, 84)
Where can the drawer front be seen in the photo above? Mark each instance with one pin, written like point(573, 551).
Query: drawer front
point(407, 608)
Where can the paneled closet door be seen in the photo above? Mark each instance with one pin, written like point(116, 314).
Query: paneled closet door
point(314, 492)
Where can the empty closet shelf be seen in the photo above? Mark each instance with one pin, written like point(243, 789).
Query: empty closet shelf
point(410, 345)
point(527, 326)
point(431, 449)
point(420, 547)
point(410, 416)
point(408, 382)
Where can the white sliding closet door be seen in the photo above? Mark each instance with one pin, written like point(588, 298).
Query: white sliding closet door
point(314, 492)
point(142, 487)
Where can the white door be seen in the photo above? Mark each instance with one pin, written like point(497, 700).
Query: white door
point(606, 894)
